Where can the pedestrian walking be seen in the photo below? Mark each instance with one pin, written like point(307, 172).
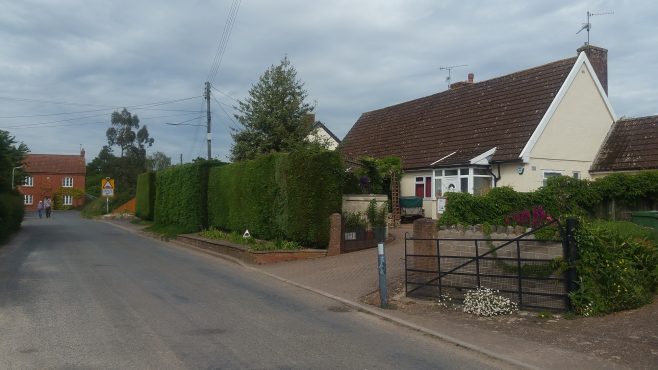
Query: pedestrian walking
point(47, 205)
point(40, 208)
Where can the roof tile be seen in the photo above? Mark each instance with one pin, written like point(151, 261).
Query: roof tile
point(502, 112)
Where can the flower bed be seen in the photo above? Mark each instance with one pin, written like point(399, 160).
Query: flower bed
point(243, 252)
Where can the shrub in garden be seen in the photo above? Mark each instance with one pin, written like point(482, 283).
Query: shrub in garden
point(487, 302)
point(278, 196)
point(145, 202)
point(11, 213)
point(181, 196)
point(617, 267)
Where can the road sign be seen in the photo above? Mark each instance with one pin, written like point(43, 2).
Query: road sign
point(107, 187)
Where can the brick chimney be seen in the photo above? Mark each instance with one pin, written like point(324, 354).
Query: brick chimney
point(599, 59)
point(82, 152)
point(459, 84)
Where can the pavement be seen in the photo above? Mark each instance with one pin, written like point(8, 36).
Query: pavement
point(348, 278)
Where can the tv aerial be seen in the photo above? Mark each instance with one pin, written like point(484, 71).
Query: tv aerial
point(449, 69)
point(588, 26)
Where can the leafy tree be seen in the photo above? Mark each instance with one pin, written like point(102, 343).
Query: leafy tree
point(125, 132)
point(274, 116)
point(11, 155)
point(122, 134)
point(157, 161)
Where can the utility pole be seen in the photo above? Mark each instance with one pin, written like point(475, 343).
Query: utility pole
point(207, 96)
point(181, 158)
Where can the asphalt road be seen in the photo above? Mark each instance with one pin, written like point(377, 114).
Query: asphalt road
point(81, 294)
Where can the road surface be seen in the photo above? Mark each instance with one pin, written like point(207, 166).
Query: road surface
point(82, 294)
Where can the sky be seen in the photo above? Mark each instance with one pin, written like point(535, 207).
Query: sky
point(66, 65)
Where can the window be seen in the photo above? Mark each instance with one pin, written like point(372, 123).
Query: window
point(67, 182)
point(27, 199)
point(464, 184)
point(576, 175)
point(28, 181)
point(481, 185)
point(67, 200)
point(424, 187)
point(438, 191)
point(549, 174)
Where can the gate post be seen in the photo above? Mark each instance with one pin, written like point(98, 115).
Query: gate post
point(335, 235)
point(570, 248)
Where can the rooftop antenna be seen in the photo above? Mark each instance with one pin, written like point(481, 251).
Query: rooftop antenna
point(588, 26)
point(449, 69)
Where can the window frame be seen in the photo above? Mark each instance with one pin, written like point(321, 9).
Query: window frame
point(462, 173)
point(67, 184)
point(28, 181)
point(69, 198)
point(554, 173)
point(28, 199)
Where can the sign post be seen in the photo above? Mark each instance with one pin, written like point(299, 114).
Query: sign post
point(107, 190)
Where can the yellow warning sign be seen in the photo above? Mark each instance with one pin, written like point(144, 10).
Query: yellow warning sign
point(107, 187)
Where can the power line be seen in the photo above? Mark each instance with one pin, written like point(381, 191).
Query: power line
point(219, 104)
point(53, 123)
point(223, 42)
point(157, 103)
point(225, 94)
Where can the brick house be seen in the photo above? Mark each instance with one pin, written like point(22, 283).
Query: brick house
point(54, 175)
point(515, 130)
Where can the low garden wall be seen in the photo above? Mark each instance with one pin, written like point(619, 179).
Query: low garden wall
point(243, 253)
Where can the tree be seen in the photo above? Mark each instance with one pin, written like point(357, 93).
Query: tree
point(123, 135)
point(125, 132)
point(157, 161)
point(11, 156)
point(274, 116)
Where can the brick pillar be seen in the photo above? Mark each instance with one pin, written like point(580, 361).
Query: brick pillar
point(425, 228)
point(335, 234)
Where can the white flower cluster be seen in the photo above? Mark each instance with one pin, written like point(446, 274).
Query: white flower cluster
point(587, 310)
point(487, 302)
point(444, 301)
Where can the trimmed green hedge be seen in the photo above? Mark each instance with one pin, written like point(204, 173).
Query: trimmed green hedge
point(11, 213)
point(278, 196)
point(144, 207)
point(181, 196)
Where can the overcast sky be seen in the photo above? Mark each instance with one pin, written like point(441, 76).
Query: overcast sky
point(65, 65)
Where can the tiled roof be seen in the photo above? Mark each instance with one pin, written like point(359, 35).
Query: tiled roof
point(55, 164)
point(632, 144)
point(502, 112)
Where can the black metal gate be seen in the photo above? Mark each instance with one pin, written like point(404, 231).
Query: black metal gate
point(530, 272)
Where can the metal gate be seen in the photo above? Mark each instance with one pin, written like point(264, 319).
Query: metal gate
point(530, 272)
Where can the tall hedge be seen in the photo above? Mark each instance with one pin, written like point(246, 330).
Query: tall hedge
point(11, 213)
point(181, 198)
point(145, 201)
point(278, 196)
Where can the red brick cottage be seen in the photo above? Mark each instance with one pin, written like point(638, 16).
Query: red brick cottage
point(54, 175)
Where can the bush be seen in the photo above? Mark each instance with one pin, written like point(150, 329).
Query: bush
point(562, 196)
point(11, 213)
point(617, 267)
point(145, 201)
point(181, 198)
point(278, 196)
point(98, 206)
